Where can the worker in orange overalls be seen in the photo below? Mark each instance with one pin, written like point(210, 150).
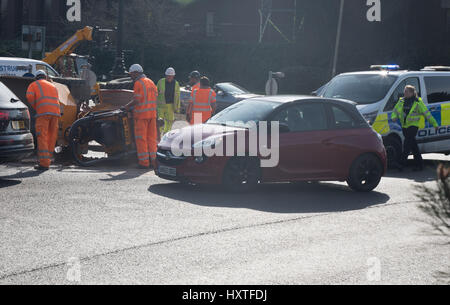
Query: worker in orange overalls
point(194, 84)
point(203, 103)
point(145, 116)
point(43, 96)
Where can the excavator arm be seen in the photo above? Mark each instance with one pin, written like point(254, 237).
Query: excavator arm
point(69, 46)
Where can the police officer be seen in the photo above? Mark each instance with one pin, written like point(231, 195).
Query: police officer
point(409, 111)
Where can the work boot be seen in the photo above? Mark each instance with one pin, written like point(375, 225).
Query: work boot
point(41, 168)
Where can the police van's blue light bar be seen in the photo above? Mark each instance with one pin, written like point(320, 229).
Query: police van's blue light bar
point(385, 67)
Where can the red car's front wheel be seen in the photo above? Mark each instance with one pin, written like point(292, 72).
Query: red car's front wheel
point(241, 174)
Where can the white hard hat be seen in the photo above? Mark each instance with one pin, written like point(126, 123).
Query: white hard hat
point(41, 73)
point(136, 68)
point(170, 72)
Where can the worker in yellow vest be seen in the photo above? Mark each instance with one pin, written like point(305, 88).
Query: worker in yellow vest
point(168, 99)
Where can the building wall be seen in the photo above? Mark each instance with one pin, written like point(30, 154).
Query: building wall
point(15, 13)
point(236, 20)
point(410, 31)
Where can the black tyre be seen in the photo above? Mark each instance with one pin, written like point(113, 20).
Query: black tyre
point(365, 173)
point(394, 150)
point(241, 174)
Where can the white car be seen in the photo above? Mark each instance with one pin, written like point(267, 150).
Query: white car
point(377, 93)
point(24, 67)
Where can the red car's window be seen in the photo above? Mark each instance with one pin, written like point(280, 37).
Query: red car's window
point(305, 117)
point(342, 120)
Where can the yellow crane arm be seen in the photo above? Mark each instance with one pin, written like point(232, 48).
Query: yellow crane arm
point(69, 46)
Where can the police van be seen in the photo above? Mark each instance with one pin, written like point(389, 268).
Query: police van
point(377, 91)
point(24, 67)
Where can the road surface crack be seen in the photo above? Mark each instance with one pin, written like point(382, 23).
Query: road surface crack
point(186, 237)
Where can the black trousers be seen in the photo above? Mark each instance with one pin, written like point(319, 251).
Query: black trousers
point(410, 146)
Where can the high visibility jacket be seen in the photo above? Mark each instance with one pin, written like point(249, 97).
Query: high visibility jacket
point(162, 93)
point(145, 94)
point(418, 110)
point(43, 96)
point(203, 100)
point(195, 87)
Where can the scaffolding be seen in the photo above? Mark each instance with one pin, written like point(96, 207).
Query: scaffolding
point(266, 12)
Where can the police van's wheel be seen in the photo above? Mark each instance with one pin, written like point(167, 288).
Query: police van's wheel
point(241, 174)
point(365, 173)
point(394, 150)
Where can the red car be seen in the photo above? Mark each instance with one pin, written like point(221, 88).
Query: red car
point(318, 140)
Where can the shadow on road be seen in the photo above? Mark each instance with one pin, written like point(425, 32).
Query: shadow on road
point(427, 175)
point(129, 174)
point(23, 174)
point(8, 183)
point(275, 198)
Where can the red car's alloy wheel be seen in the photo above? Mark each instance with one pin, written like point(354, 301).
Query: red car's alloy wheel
point(241, 174)
point(365, 173)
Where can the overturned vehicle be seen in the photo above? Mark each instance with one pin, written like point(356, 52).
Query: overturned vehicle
point(100, 136)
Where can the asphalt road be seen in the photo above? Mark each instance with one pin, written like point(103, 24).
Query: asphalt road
point(113, 225)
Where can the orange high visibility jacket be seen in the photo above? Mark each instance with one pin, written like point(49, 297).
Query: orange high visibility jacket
point(196, 87)
point(43, 96)
point(193, 89)
point(203, 100)
point(145, 93)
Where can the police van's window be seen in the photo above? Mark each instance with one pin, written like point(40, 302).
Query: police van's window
point(438, 89)
point(342, 120)
point(399, 92)
point(360, 88)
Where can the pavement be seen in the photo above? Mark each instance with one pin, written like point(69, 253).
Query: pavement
point(115, 225)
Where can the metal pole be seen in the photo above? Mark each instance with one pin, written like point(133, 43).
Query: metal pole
point(338, 38)
point(294, 31)
point(120, 30)
point(119, 69)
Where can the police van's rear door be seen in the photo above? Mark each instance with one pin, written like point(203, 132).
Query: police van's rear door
point(437, 97)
